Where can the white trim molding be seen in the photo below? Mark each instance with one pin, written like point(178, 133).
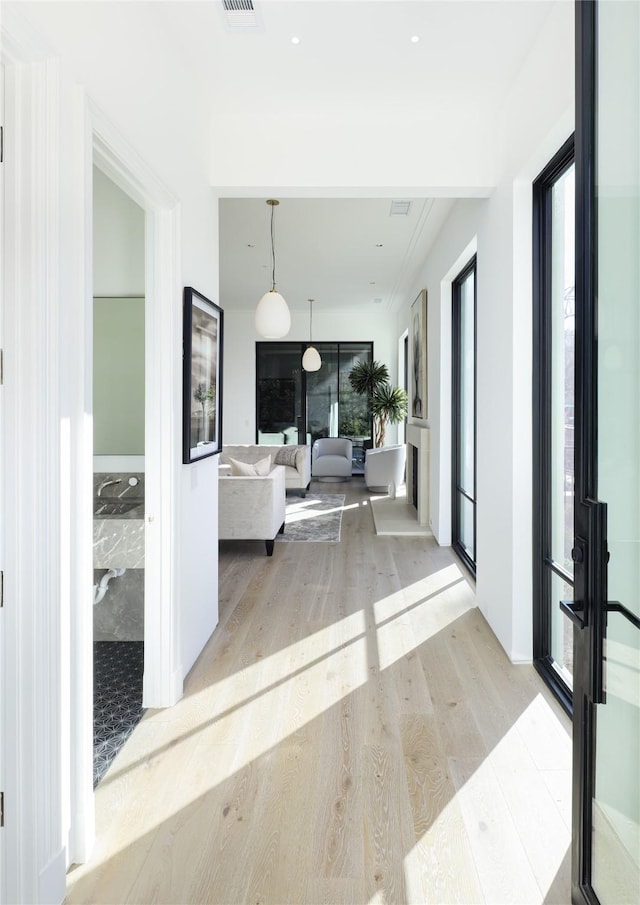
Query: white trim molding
point(36, 617)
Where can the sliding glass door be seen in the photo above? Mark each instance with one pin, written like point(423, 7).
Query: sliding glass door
point(280, 412)
point(296, 406)
point(554, 410)
point(464, 416)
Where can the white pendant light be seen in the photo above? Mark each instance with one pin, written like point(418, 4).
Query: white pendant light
point(311, 360)
point(272, 317)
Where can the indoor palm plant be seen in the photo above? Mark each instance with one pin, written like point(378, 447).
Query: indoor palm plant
point(387, 403)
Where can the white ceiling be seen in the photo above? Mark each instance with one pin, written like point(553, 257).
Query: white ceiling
point(355, 59)
point(357, 55)
point(343, 252)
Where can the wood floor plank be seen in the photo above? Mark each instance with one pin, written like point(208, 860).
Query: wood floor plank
point(388, 827)
point(442, 853)
point(335, 891)
point(493, 836)
point(352, 733)
point(338, 846)
point(460, 733)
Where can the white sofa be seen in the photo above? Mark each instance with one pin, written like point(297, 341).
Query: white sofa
point(251, 507)
point(297, 476)
point(384, 468)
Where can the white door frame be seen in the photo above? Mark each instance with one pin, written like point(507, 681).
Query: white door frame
point(35, 680)
point(51, 137)
point(163, 679)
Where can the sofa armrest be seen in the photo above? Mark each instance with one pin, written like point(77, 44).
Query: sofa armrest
point(251, 506)
point(303, 464)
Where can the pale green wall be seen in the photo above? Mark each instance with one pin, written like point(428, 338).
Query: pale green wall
point(118, 330)
point(118, 376)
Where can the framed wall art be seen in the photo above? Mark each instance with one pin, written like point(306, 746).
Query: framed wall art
point(418, 333)
point(202, 377)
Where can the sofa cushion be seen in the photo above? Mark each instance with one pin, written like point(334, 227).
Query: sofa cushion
point(297, 475)
point(245, 469)
point(287, 455)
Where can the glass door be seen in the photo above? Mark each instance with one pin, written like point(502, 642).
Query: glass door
point(606, 855)
point(323, 395)
point(280, 414)
point(296, 406)
point(616, 796)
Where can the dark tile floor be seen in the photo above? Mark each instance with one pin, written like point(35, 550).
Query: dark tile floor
point(117, 699)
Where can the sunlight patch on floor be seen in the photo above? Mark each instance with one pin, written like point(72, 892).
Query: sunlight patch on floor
point(496, 806)
point(396, 603)
point(408, 618)
point(301, 514)
point(276, 696)
point(273, 668)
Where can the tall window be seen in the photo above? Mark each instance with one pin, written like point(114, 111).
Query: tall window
point(464, 416)
point(293, 406)
point(553, 429)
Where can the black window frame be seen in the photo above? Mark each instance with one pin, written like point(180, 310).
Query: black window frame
point(300, 348)
point(456, 360)
point(543, 565)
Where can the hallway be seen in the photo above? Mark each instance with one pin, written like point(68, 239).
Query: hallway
point(352, 733)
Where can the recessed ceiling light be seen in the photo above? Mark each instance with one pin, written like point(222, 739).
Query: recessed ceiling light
point(295, 40)
point(415, 39)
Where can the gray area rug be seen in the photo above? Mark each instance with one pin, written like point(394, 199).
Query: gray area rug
point(316, 518)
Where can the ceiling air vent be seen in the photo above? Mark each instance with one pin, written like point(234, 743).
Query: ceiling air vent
point(400, 208)
point(240, 14)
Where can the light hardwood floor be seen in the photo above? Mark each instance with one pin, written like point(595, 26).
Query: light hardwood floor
point(352, 733)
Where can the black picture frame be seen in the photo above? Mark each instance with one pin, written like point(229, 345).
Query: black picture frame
point(202, 377)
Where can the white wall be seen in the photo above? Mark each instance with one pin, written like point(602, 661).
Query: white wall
point(537, 119)
point(239, 386)
point(366, 154)
point(198, 524)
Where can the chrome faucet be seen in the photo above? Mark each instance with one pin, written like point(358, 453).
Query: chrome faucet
point(107, 483)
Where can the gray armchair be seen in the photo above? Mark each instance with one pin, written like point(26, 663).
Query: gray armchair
point(331, 459)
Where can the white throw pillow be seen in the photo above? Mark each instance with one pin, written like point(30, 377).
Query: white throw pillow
point(245, 469)
point(263, 466)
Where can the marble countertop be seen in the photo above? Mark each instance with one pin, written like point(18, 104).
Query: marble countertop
point(104, 508)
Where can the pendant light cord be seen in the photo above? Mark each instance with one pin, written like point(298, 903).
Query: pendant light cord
point(273, 254)
point(310, 321)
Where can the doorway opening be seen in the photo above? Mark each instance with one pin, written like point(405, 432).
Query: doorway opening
point(118, 468)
